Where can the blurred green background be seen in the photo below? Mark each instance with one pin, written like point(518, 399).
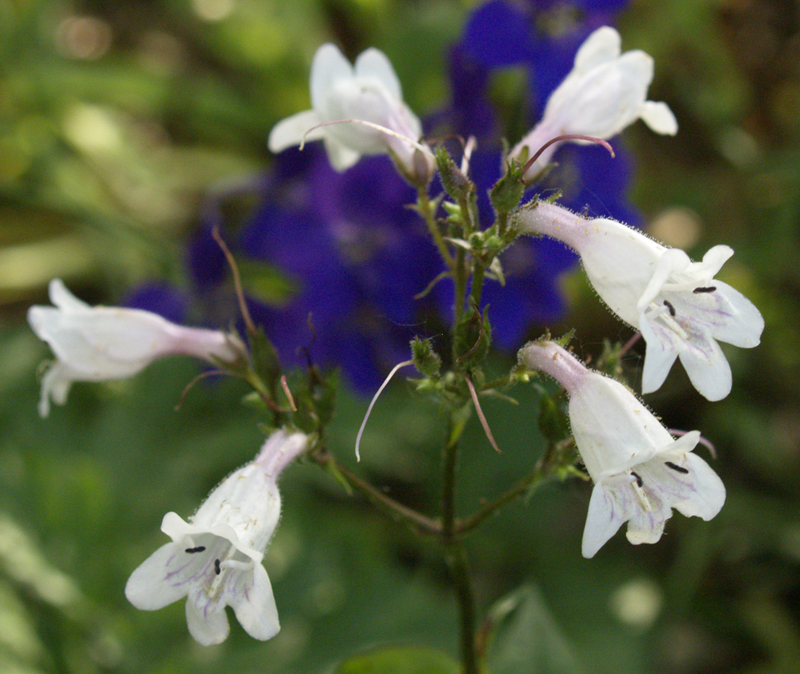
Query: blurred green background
point(117, 118)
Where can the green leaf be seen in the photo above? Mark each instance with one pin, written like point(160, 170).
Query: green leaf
point(526, 637)
point(400, 660)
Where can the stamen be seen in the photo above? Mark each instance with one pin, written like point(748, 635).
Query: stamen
point(639, 481)
point(422, 148)
point(669, 306)
point(374, 400)
point(709, 289)
point(217, 570)
point(199, 548)
point(676, 468)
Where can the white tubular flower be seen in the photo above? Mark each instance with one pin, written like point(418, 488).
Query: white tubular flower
point(214, 560)
point(604, 93)
point(640, 471)
point(678, 305)
point(369, 92)
point(102, 343)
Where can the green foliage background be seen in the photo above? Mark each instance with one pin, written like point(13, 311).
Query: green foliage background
point(116, 118)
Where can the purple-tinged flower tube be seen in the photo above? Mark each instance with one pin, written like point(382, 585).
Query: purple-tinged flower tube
point(103, 343)
point(680, 308)
point(640, 471)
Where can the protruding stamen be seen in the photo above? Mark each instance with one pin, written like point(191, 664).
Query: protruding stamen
point(199, 548)
point(709, 289)
point(374, 400)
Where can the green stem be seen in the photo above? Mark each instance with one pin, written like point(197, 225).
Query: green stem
point(388, 505)
point(426, 210)
point(459, 570)
point(456, 555)
point(478, 271)
point(492, 507)
point(460, 280)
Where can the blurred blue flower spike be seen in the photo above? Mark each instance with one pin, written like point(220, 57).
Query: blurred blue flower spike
point(355, 255)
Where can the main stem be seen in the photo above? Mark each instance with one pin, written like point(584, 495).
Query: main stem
point(456, 554)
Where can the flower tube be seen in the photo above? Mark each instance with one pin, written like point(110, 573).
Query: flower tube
point(680, 308)
point(605, 92)
point(214, 559)
point(640, 471)
point(342, 96)
point(103, 343)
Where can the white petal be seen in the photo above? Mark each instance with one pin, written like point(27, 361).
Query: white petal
point(63, 298)
point(706, 495)
point(255, 606)
point(601, 46)
point(658, 358)
point(340, 156)
point(606, 515)
point(329, 66)
point(208, 627)
point(161, 579)
point(56, 383)
point(659, 118)
point(714, 259)
point(671, 261)
point(708, 369)
point(745, 326)
point(374, 63)
point(292, 130)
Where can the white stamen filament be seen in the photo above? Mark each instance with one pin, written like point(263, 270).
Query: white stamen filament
point(422, 148)
point(374, 400)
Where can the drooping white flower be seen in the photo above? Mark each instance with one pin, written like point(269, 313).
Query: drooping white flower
point(103, 343)
point(640, 471)
point(369, 92)
point(678, 305)
point(605, 92)
point(214, 559)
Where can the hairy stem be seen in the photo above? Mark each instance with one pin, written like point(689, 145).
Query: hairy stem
point(459, 570)
point(456, 555)
point(386, 504)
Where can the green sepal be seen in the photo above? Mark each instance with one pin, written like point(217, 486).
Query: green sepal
point(426, 360)
point(458, 421)
point(455, 183)
point(265, 359)
point(473, 337)
point(509, 190)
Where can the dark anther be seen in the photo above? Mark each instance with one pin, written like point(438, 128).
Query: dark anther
point(199, 548)
point(709, 289)
point(678, 469)
point(670, 307)
point(639, 481)
point(216, 567)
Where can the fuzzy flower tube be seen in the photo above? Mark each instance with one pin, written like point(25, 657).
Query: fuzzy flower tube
point(640, 471)
point(105, 343)
point(214, 559)
point(680, 308)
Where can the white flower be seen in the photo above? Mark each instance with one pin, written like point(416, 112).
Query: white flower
point(369, 92)
point(102, 343)
point(214, 560)
point(678, 305)
point(640, 471)
point(604, 93)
